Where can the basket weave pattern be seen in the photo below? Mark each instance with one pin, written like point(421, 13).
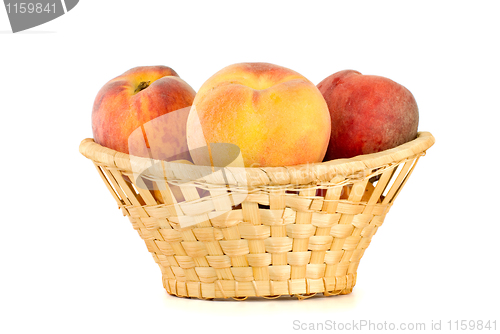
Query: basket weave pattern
point(299, 231)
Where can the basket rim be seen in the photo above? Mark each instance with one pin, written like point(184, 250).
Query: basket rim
point(297, 174)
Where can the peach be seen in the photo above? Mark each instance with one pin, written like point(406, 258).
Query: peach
point(368, 114)
point(136, 100)
point(273, 115)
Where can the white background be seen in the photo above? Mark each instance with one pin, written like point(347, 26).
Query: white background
point(71, 263)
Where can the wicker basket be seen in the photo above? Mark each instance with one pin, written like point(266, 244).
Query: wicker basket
point(267, 232)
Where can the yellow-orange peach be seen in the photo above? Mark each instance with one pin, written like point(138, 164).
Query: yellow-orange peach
point(274, 115)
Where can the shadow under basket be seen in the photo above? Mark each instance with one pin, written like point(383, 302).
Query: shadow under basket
point(267, 232)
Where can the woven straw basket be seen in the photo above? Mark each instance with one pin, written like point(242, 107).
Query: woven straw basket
point(241, 232)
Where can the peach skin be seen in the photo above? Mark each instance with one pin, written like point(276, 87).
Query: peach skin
point(274, 115)
point(135, 98)
point(369, 114)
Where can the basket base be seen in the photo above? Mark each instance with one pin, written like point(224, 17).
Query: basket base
point(298, 288)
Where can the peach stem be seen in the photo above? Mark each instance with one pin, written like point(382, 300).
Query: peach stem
point(141, 86)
